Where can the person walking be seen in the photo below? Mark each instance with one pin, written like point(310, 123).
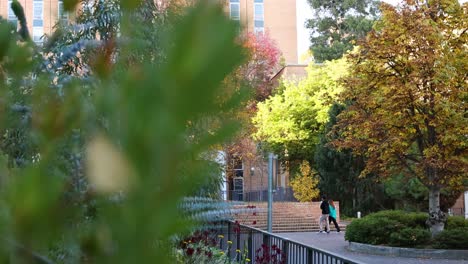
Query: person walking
point(325, 213)
point(332, 216)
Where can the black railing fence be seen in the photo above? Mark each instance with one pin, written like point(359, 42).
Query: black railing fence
point(241, 242)
point(279, 195)
point(457, 211)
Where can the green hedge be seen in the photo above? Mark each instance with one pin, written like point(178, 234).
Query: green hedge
point(377, 228)
point(403, 229)
point(455, 222)
point(452, 238)
point(409, 237)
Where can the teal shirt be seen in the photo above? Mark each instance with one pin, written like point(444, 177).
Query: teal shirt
point(332, 212)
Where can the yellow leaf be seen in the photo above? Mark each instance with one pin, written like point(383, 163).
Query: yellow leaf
point(107, 168)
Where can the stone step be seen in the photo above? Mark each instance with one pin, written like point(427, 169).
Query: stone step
point(287, 216)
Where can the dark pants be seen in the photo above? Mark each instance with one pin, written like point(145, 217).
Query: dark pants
point(332, 219)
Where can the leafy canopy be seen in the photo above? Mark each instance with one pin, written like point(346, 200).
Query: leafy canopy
point(407, 90)
point(338, 24)
point(289, 121)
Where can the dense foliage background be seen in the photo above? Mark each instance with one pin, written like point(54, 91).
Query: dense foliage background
point(100, 129)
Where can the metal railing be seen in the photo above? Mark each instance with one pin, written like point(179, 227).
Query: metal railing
point(279, 195)
point(456, 211)
point(263, 247)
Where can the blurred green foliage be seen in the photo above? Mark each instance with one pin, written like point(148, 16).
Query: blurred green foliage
point(97, 131)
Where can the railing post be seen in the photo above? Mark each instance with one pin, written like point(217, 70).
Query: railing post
point(228, 239)
point(238, 235)
point(286, 250)
point(310, 256)
point(270, 194)
point(266, 240)
point(250, 245)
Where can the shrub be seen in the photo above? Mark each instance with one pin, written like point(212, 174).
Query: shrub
point(417, 219)
point(452, 238)
point(409, 237)
point(405, 218)
point(454, 222)
point(389, 227)
point(372, 230)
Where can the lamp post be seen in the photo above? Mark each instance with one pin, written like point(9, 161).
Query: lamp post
point(270, 192)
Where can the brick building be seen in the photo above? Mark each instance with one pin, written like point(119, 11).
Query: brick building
point(278, 17)
point(460, 207)
point(41, 15)
point(247, 173)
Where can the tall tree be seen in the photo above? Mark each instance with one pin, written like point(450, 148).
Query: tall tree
point(339, 174)
point(408, 97)
point(263, 60)
point(338, 24)
point(290, 121)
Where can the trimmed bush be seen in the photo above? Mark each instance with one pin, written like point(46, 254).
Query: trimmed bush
point(389, 228)
point(403, 229)
point(405, 218)
point(452, 239)
point(372, 230)
point(417, 220)
point(455, 222)
point(410, 237)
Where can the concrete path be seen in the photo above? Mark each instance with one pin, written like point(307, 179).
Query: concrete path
point(334, 242)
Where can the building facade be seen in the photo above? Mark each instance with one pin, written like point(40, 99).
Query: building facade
point(277, 17)
point(41, 15)
point(247, 175)
point(460, 208)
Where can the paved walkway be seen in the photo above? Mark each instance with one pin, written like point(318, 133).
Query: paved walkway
point(334, 242)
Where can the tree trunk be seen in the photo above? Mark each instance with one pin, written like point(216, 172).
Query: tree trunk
point(436, 218)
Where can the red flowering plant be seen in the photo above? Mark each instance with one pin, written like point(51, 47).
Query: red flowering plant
point(202, 247)
point(269, 255)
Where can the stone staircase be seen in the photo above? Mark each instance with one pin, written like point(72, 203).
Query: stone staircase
point(287, 216)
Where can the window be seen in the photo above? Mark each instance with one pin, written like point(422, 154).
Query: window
point(38, 7)
point(62, 15)
point(11, 15)
point(234, 9)
point(38, 32)
point(258, 17)
point(238, 167)
point(38, 20)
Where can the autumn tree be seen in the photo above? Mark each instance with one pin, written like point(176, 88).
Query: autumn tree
point(263, 60)
point(338, 24)
point(305, 183)
point(407, 95)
